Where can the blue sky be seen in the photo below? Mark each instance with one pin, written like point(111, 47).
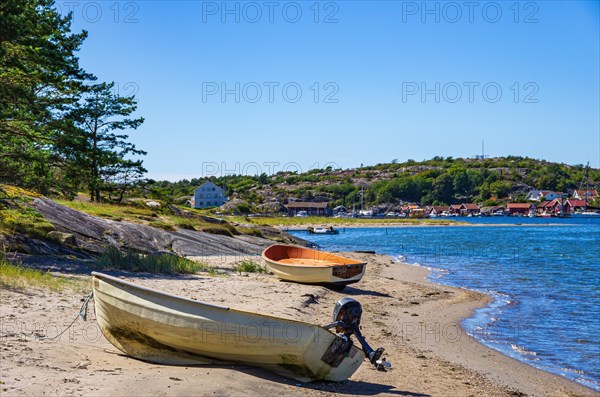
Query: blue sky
point(232, 86)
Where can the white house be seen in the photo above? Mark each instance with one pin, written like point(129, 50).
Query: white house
point(208, 195)
point(534, 195)
point(548, 195)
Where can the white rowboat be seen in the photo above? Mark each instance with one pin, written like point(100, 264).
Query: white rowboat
point(162, 328)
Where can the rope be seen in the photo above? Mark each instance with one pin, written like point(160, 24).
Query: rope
point(82, 313)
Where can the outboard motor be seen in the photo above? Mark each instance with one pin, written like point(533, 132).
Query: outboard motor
point(346, 321)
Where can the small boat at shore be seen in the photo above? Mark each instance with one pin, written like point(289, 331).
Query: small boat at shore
point(166, 329)
point(322, 230)
point(309, 266)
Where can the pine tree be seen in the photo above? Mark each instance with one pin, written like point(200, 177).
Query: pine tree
point(101, 151)
point(39, 78)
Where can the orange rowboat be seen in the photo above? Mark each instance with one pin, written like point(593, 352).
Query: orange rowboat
point(309, 266)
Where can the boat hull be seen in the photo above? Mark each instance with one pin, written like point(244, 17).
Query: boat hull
point(162, 328)
point(307, 266)
point(322, 230)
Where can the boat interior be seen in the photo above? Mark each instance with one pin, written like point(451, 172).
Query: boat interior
point(290, 255)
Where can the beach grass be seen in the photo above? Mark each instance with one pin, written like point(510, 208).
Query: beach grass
point(162, 263)
point(249, 266)
point(19, 277)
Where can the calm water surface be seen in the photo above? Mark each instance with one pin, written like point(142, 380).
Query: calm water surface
point(545, 281)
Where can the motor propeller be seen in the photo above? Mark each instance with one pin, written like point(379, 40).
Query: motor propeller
point(346, 321)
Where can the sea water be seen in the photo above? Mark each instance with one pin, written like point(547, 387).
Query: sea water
point(543, 276)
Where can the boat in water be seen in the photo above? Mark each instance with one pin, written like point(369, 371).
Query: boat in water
point(309, 266)
point(161, 328)
point(323, 230)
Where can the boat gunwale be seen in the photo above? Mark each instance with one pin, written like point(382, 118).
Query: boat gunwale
point(155, 291)
point(196, 302)
point(267, 259)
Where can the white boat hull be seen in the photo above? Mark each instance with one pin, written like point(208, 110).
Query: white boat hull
point(162, 328)
point(314, 275)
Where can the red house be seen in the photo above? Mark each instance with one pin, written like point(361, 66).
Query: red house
point(436, 210)
point(311, 208)
point(573, 205)
point(469, 208)
point(519, 208)
point(454, 208)
point(549, 207)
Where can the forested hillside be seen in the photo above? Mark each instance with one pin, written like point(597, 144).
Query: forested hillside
point(436, 181)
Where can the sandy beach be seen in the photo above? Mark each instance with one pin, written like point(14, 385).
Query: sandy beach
point(417, 322)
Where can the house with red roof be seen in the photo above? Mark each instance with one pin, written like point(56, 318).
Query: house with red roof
point(436, 210)
point(320, 208)
point(586, 194)
point(469, 208)
point(573, 205)
point(519, 208)
point(454, 208)
point(549, 207)
point(415, 211)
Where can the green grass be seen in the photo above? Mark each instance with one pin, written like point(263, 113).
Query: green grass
point(163, 225)
point(139, 214)
point(24, 220)
point(217, 230)
point(250, 231)
point(17, 276)
point(249, 266)
point(164, 263)
point(16, 214)
point(112, 211)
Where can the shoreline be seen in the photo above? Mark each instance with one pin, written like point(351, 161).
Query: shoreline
point(411, 317)
point(472, 353)
point(303, 228)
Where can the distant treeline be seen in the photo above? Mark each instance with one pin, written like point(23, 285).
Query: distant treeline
point(436, 181)
point(61, 130)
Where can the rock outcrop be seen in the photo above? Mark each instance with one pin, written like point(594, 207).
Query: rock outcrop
point(86, 235)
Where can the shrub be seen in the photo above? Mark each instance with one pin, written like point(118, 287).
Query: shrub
point(134, 262)
point(249, 266)
point(243, 209)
